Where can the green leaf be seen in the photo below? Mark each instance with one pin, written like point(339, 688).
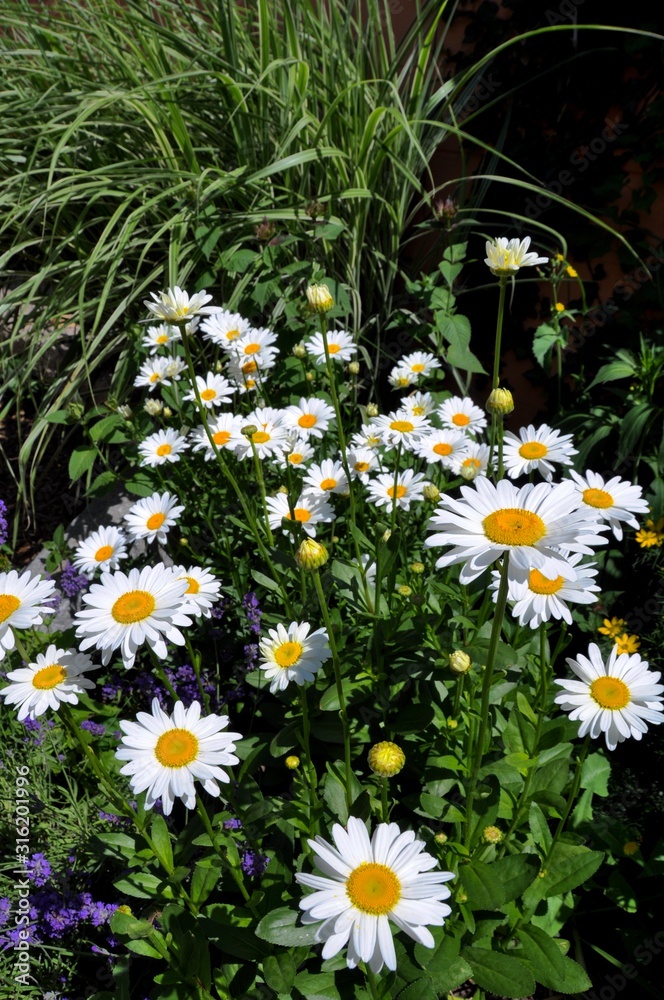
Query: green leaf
point(280, 927)
point(499, 973)
point(570, 865)
point(482, 885)
point(318, 985)
point(265, 581)
point(539, 828)
point(143, 948)
point(80, 460)
point(442, 963)
point(420, 989)
point(545, 957)
point(144, 886)
point(279, 972)
point(613, 371)
point(104, 427)
point(546, 337)
point(515, 873)
point(456, 330)
point(162, 841)
point(205, 876)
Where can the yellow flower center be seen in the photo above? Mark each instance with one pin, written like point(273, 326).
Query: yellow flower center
point(155, 377)
point(361, 466)
point(208, 394)
point(155, 521)
point(471, 462)
point(334, 348)
point(402, 426)
point(250, 383)
point(402, 382)
point(221, 437)
point(288, 654)
point(105, 552)
point(164, 449)
point(443, 448)
point(260, 437)
point(301, 514)
point(232, 334)
point(514, 526)
point(373, 888)
point(134, 606)
point(597, 498)
point(49, 677)
point(176, 748)
point(540, 584)
point(417, 368)
point(307, 420)
point(328, 484)
point(249, 366)
point(400, 491)
point(532, 450)
point(296, 458)
point(162, 338)
point(252, 348)
point(460, 420)
point(610, 692)
point(8, 605)
point(194, 585)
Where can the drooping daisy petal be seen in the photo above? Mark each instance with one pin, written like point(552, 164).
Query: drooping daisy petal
point(54, 677)
point(153, 517)
point(340, 345)
point(175, 305)
point(308, 511)
point(293, 654)
point(505, 257)
point(162, 447)
point(22, 604)
point(102, 550)
point(460, 413)
point(538, 449)
point(615, 500)
point(386, 489)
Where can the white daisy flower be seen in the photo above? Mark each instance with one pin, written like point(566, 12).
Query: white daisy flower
point(461, 414)
point(308, 510)
point(161, 447)
point(361, 462)
point(174, 305)
point(613, 501)
point(213, 390)
point(297, 453)
point(443, 446)
point(616, 698)
point(153, 373)
point(309, 417)
point(21, 604)
point(103, 550)
point(223, 327)
point(505, 257)
point(418, 404)
point(202, 590)
point(401, 377)
point(165, 753)
point(538, 595)
point(256, 346)
point(340, 345)
point(246, 377)
point(126, 610)
point(153, 517)
point(472, 462)
point(264, 415)
point(226, 431)
point(368, 437)
point(401, 428)
point(293, 654)
point(160, 336)
point(530, 523)
point(326, 477)
point(268, 440)
point(536, 450)
point(174, 367)
point(409, 487)
point(368, 883)
point(420, 363)
point(54, 677)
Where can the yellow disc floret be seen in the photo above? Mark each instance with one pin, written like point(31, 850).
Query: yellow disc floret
point(514, 526)
point(134, 606)
point(610, 692)
point(176, 748)
point(373, 888)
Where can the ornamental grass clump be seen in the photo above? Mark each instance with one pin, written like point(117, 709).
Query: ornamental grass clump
point(330, 714)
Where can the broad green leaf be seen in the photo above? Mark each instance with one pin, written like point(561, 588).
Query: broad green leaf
point(104, 427)
point(482, 886)
point(545, 957)
point(499, 973)
point(281, 927)
point(595, 774)
point(204, 878)
point(141, 947)
point(570, 865)
point(144, 885)
point(515, 873)
point(319, 985)
point(161, 839)
point(420, 989)
point(279, 972)
point(613, 371)
point(80, 460)
point(539, 828)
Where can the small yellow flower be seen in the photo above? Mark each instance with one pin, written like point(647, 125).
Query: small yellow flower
point(417, 567)
point(652, 534)
point(292, 762)
point(319, 298)
point(500, 401)
point(311, 554)
point(452, 723)
point(627, 643)
point(571, 272)
point(611, 627)
point(560, 307)
point(386, 759)
point(404, 590)
point(631, 847)
point(492, 835)
point(459, 662)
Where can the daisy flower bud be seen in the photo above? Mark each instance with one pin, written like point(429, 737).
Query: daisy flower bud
point(441, 838)
point(311, 554)
point(431, 493)
point(292, 762)
point(153, 407)
point(417, 567)
point(492, 835)
point(386, 759)
point(354, 367)
point(500, 401)
point(459, 662)
point(372, 410)
point(319, 298)
point(300, 351)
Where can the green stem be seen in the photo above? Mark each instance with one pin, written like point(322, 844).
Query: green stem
point(309, 764)
point(337, 677)
point(574, 790)
point(196, 664)
point(495, 379)
point(235, 872)
point(371, 983)
point(261, 485)
point(385, 809)
point(501, 604)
